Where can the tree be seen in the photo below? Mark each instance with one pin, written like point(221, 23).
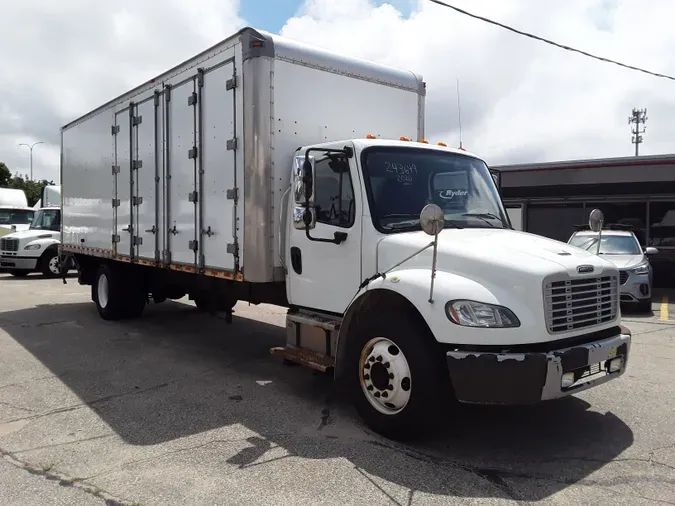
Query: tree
point(32, 189)
point(5, 175)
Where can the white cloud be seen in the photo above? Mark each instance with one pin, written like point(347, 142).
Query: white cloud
point(521, 100)
point(61, 59)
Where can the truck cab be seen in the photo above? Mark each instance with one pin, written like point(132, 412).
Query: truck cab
point(15, 215)
point(481, 310)
point(35, 249)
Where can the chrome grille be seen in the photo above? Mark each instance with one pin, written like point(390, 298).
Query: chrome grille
point(9, 244)
point(572, 304)
point(623, 277)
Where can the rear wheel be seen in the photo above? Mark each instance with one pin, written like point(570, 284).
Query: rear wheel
point(397, 376)
point(645, 305)
point(116, 295)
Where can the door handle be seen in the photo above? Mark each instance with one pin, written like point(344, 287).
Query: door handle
point(152, 230)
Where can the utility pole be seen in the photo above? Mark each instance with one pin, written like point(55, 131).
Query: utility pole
point(638, 116)
point(31, 146)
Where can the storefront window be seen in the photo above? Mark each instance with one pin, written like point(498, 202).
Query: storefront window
point(556, 221)
point(623, 213)
point(662, 224)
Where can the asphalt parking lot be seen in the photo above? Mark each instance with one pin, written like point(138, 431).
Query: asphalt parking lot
point(180, 408)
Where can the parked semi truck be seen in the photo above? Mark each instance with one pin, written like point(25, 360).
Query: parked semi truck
point(36, 248)
point(269, 171)
point(14, 211)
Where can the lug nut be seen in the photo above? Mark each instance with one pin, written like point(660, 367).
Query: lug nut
point(377, 394)
point(390, 387)
point(371, 359)
point(369, 387)
point(366, 376)
point(379, 358)
point(385, 394)
point(386, 364)
point(391, 375)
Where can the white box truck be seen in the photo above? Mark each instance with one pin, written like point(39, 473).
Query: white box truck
point(269, 171)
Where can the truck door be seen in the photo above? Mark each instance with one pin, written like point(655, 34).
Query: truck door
point(122, 189)
point(322, 274)
point(146, 178)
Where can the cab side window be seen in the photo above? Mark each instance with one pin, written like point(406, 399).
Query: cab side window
point(334, 193)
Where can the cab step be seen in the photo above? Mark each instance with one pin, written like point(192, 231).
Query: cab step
point(308, 358)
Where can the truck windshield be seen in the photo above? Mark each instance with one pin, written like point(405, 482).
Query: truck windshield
point(609, 244)
point(47, 219)
point(401, 181)
point(16, 216)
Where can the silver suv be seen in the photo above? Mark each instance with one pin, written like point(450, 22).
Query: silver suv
point(620, 246)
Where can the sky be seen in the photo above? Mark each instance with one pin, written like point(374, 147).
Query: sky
point(521, 100)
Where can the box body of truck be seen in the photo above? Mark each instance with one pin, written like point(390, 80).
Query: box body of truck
point(187, 172)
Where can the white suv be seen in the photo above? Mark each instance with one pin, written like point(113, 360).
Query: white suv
point(621, 247)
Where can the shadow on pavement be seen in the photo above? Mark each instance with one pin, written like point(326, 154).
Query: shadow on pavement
point(176, 373)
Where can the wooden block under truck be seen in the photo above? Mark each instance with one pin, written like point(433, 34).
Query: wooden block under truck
point(270, 171)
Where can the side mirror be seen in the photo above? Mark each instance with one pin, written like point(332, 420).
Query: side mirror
point(496, 177)
point(303, 180)
point(595, 220)
point(651, 250)
point(304, 217)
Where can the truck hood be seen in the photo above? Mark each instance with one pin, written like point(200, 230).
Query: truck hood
point(624, 261)
point(7, 229)
point(499, 257)
point(28, 235)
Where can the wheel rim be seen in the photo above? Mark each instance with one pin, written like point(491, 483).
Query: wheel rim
point(54, 265)
point(102, 290)
point(385, 376)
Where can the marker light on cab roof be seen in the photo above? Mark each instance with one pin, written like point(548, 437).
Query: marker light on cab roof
point(402, 138)
point(423, 141)
point(370, 136)
point(443, 144)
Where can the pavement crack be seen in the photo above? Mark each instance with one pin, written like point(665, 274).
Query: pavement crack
point(56, 445)
point(90, 403)
point(48, 473)
point(181, 450)
point(16, 407)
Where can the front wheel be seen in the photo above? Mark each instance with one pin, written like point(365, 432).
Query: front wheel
point(49, 264)
point(398, 378)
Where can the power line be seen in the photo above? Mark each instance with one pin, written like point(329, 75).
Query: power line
point(547, 41)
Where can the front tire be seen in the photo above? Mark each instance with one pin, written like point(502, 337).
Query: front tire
point(397, 376)
point(49, 264)
point(645, 305)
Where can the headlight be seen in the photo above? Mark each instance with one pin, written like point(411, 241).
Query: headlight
point(477, 314)
point(641, 269)
point(33, 246)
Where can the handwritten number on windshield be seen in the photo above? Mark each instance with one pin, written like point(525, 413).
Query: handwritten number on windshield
point(404, 172)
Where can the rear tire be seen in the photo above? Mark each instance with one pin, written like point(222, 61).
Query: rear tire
point(397, 377)
point(645, 305)
point(117, 296)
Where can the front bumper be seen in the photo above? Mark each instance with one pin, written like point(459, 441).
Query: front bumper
point(10, 263)
point(529, 377)
point(636, 288)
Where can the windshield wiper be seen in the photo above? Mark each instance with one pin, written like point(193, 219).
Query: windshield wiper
point(413, 221)
point(485, 217)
